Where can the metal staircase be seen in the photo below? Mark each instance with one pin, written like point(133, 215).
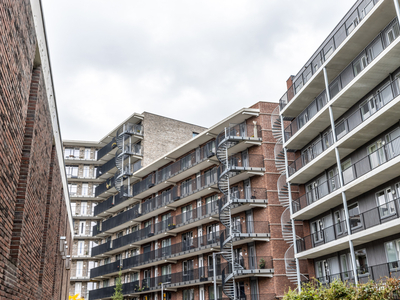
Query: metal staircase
point(123, 159)
point(283, 195)
point(228, 284)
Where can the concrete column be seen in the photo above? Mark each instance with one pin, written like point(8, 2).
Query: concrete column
point(340, 172)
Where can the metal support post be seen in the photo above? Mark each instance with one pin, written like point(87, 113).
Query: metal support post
point(340, 172)
point(397, 7)
point(162, 289)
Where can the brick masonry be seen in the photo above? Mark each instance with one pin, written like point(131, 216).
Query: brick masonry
point(32, 208)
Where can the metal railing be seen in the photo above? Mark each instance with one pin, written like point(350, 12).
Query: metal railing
point(328, 47)
point(105, 269)
point(131, 129)
point(378, 44)
point(121, 218)
point(316, 193)
point(105, 168)
point(373, 105)
point(107, 148)
point(105, 186)
point(240, 132)
point(358, 222)
point(365, 273)
point(101, 248)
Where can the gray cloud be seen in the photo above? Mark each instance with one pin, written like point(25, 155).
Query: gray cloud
point(197, 61)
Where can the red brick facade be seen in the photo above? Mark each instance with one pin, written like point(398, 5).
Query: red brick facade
point(33, 210)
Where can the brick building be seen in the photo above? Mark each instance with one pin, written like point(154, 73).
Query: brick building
point(92, 164)
point(341, 123)
point(160, 222)
point(35, 231)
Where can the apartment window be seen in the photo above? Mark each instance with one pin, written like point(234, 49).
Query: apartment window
point(106, 283)
point(392, 140)
point(211, 292)
point(187, 240)
point(341, 129)
point(166, 247)
point(81, 247)
point(82, 227)
point(166, 273)
point(354, 215)
point(360, 64)
point(347, 171)
point(72, 188)
point(91, 286)
point(186, 187)
point(134, 277)
point(78, 288)
point(211, 203)
point(85, 189)
point(93, 189)
point(87, 153)
point(317, 228)
point(351, 25)
point(385, 202)
point(361, 262)
point(135, 252)
point(209, 176)
point(120, 234)
point(71, 152)
point(187, 213)
point(212, 231)
point(83, 208)
point(86, 171)
point(334, 88)
point(323, 270)
point(393, 253)
point(92, 224)
point(107, 260)
point(186, 161)
point(188, 270)
point(209, 148)
point(338, 218)
point(392, 33)
point(79, 269)
point(345, 266)
point(236, 224)
point(73, 208)
point(94, 204)
point(72, 171)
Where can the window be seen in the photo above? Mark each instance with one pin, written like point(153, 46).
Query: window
point(186, 187)
point(187, 240)
point(338, 218)
point(367, 108)
point(92, 224)
point(209, 176)
point(85, 171)
point(361, 262)
point(194, 134)
point(392, 140)
point(360, 64)
point(188, 294)
point(385, 202)
point(134, 277)
point(93, 189)
point(166, 273)
point(323, 270)
point(72, 171)
point(376, 153)
point(82, 227)
point(85, 189)
point(71, 152)
point(81, 247)
point(212, 233)
point(188, 273)
point(345, 266)
point(354, 216)
point(83, 208)
point(392, 33)
point(341, 129)
point(187, 213)
point(317, 228)
point(78, 288)
point(87, 153)
point(352, 25)
point(347, 171)
point(73, 207)
point(79, 269)
point(211, 292)
point(120, 234)
point(106, 283)
point(186, 161)
point(72, 188)
point(211, 203)
point(393, 253)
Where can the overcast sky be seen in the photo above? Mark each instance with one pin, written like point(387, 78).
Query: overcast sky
point(195, 61)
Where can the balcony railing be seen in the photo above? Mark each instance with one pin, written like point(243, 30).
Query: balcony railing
point(101, 248)
point(105, 168)
point(131, 128)
point(106, 149)
point(105, 186)
point(121, 218)
point(374, 104)
point(108, 292)
point(316, 192)
point(239, 132)
point(366, 164)
point(247, 229)
point(105, 269)
point(103, 206)
point(365, 273)
point(191, 244)
point(358, 222)
point(240, 162)
point(377, 46)
point(328, 47)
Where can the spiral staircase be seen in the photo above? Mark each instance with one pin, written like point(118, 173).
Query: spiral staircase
point(123, 160)
point(283, 195)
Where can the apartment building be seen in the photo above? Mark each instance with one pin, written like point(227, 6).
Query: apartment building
point(106, 164)
point(35, 230)
point(340, 120)
point(217, 192)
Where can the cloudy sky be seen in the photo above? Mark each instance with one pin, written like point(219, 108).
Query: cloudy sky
point(196, 61)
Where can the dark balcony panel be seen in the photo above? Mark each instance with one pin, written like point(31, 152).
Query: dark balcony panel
point(103, 206)
point(121, 218)
point(96, 229)
point(105, 269)
point(105, 168)
point(106, 149)
point(123, 195)
point(100, 249)
point(106, 292)
point(105, 186)
point(156, 202)
point(143, 185)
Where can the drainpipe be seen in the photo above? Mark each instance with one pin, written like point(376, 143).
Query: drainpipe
point(340, 172)
point(291, 213)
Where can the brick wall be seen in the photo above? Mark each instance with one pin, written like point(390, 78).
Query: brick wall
point(32, 208)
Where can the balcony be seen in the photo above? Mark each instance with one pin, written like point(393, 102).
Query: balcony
point(365, 274)
point(102, 170)
point(201, 244)
point(354, 131)
point(108, 292)
point(379, 222)
point(113, 267)
point(248, 231)
point(365, 71)
point(106, 187)
point(360, 25)
point(250, 135)
point(110, 148)
point(367, 173)
point(252, 266)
